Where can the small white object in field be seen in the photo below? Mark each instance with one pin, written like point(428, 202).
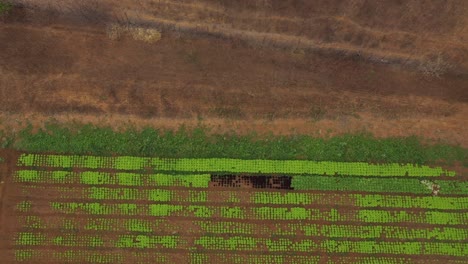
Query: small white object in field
point(435, 188)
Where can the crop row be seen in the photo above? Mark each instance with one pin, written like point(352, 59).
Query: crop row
point(362, 200)
point(233, 228)
point(405, 185)
point(242, 243)
point(122, 178)
point(366, 184)
point(66, 256)
point(260, 197)
point(332, 246)
point(260, 213)
point(231, 165)
point(145, 257)
point(95, 241)
point(201, 258)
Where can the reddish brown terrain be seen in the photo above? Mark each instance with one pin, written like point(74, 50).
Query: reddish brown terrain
point(393, 68)
point(322, 67)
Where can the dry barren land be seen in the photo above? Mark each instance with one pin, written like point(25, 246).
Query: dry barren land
point(393, 68)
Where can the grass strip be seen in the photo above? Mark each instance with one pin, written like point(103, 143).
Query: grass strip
point(199, 142)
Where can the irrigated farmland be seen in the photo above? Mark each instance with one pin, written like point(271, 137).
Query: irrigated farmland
point(91, 209)
point(233, 132)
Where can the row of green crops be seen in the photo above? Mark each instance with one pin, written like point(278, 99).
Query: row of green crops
point(93, 241)
point(119, 178)
point(200, 258)
point(261, 213)
point(141, 257)
point(332, 246)
point(362, 200)
point(232, 165)
point(367, 184)
point(242, 243)
point(201, 143)
point(299, 182)
point(67, 256)
point(259, 197)
point(163, 226)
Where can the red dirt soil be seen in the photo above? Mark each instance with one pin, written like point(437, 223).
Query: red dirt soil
point(61, 65)
point(392, 68)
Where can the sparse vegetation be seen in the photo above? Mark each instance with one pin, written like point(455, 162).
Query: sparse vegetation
point(114, 31)
point(148, 35)
point(228, 112)
point(435, 65)
point(192, 56)
point(91, 11)
point(317, 112)
point(5, 7)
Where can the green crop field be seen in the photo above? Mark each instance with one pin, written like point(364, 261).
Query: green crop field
point(127, 209)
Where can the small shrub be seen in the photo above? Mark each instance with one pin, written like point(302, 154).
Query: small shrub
point(192, 57)
point(114, 31)
point(435, 65)
point(317, 113)
point(148, 35)
point(5, 7)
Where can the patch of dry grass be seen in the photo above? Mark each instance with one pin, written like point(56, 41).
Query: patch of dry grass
point(435, 65)
point(148, 35)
